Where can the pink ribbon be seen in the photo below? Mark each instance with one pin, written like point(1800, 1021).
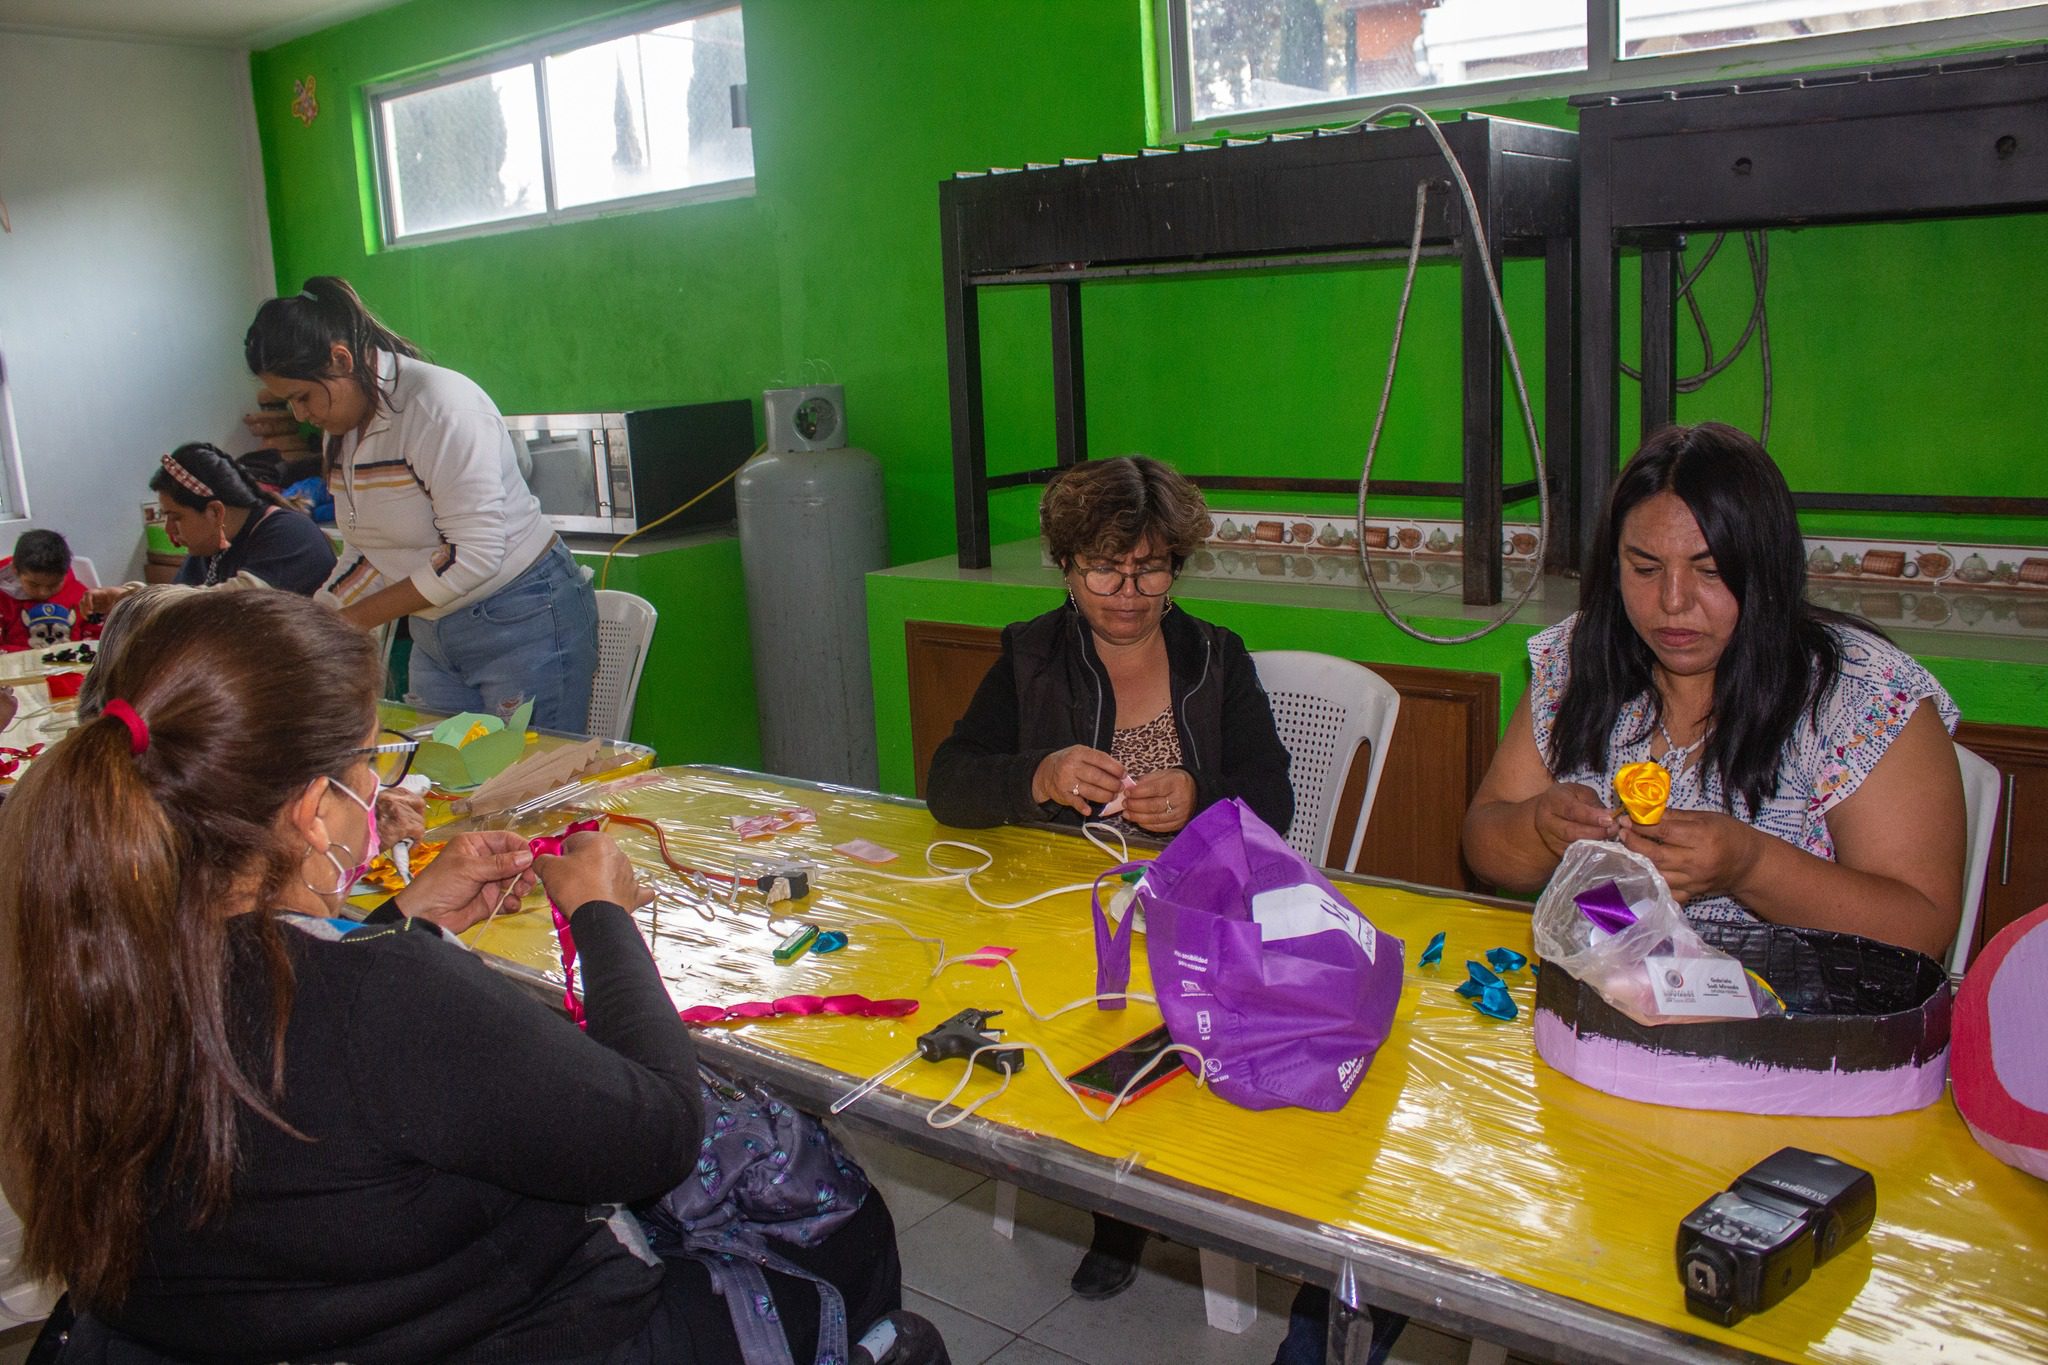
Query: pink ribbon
point(855, 1006)
point(550, 846)
point(858, 1006)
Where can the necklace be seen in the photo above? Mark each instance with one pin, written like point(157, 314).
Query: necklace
point(1674, 757)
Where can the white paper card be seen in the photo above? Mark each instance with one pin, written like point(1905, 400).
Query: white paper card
point(1711, 986)
point(1298, 911)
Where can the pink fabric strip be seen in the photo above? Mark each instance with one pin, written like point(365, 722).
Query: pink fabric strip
point(857, 1006)
point(550, 846)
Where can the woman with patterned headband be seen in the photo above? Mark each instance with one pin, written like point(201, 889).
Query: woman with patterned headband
point(437, 524)
point(233, 530)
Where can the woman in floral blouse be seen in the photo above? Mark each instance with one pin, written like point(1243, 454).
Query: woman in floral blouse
point(1813, 779)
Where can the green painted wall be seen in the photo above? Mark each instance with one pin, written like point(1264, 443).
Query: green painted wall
point(1906, 356)
point(696, 699)
point(1986, 689)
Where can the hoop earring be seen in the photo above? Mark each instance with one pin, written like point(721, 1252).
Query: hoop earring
point(337, 892)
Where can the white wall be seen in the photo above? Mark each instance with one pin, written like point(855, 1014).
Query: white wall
point(139, 252)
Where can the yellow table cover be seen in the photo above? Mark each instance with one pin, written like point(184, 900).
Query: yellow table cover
point(1460, 1143)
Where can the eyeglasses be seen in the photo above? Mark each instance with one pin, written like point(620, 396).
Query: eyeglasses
point(1105, 580)
point(390, 757)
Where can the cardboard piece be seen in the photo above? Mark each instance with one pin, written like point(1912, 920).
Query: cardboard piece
point(534, 775)
point(1866, 1032)
point(2000, 1049)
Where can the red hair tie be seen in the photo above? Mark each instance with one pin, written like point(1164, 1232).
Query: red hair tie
point(138, 729)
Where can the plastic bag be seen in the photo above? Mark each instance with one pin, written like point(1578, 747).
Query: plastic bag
point(1657, 969)
point(1259, 964)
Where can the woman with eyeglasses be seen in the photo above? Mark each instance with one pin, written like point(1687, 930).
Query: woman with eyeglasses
point(1115, 703)
point(240, 1129)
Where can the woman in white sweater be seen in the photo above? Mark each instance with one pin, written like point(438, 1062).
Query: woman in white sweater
point(436, 522)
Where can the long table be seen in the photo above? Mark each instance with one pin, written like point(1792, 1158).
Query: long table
point(1466, 1183)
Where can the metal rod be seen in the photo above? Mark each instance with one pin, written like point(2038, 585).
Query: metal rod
point(1060, 274)
point(2005, 859)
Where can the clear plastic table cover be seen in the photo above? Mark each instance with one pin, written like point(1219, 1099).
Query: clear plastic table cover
point(1460, 1144)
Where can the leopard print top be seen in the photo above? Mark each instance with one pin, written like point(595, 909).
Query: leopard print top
point(1145, 749)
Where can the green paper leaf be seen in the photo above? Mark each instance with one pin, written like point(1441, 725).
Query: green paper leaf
point(455, 768)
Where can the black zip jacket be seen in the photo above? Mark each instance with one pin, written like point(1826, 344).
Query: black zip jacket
point(1049, 690)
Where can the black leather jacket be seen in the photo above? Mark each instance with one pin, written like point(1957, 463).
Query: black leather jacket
point(1049, 690)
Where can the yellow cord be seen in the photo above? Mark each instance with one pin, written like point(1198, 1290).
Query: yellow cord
point(604, 575)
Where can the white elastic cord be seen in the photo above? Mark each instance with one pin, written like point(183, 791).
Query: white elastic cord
point(1475, 224)
point(940, 873)
point(932, 1118)
point(993, 960)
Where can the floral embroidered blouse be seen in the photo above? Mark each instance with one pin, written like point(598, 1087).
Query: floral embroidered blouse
point(1874, 695)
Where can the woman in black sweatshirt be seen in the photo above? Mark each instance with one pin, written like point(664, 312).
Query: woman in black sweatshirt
point(242, 1134)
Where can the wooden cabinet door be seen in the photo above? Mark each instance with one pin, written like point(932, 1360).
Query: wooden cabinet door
point(2017, 879)
point(1442, 744)
point(947, 662)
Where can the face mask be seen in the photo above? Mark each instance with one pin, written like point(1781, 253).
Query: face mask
point(370, 843)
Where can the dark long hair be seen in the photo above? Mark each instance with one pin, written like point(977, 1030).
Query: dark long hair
point(1781, 658)
point(121, 1081)
point(293, 337)
point(219, 472)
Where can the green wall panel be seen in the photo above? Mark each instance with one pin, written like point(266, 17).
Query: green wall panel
point(696, 699)
point(1905, 356)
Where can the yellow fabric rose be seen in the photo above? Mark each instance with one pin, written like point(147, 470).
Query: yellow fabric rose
point(1643, 789)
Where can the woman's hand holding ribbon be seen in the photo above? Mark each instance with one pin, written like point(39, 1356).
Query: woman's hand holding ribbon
point(1700, 853)
point(1567, 812)
point(474, 873)
point(592, 868)
point(1077, 776)
point(1161, 801)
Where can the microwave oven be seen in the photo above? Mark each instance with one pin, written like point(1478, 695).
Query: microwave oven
point(609, 473)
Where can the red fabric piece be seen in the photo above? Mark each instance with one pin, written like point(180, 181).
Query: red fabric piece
point(1980, 1093)
point(858, 1006)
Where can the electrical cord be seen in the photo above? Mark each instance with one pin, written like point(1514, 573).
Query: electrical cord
point(933, 1120)
point(1121, 853)
point(604, 575)
point(1757, 327)
point(1473, 222)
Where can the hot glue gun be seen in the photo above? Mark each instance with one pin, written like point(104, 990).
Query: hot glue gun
point(962, 1036)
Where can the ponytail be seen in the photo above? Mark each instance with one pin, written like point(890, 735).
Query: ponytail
point(294, 337)
point(121, 855)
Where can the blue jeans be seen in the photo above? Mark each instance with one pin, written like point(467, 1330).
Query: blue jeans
point(535, 638)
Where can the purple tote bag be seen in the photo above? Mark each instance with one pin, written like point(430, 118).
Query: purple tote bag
point(1285, 989)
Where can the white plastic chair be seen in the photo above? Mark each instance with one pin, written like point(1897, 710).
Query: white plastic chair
point(1980, 815)
point(1324, 708)
point(625, 627)
point(84, 572)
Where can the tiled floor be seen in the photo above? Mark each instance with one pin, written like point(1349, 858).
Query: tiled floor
point(1005, 1302)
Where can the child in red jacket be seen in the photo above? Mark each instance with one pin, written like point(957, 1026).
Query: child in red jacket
point(41, 600)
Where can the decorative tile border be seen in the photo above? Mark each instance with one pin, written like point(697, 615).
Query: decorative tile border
point(1897, 584)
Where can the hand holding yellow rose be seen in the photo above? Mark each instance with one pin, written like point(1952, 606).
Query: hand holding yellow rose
point(1643, 790)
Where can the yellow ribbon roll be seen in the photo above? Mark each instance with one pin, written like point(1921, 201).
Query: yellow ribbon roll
point(1643, 789)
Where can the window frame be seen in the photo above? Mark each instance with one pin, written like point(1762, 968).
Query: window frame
point(1605, 70)
point(533, 56)
point(14, 504)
